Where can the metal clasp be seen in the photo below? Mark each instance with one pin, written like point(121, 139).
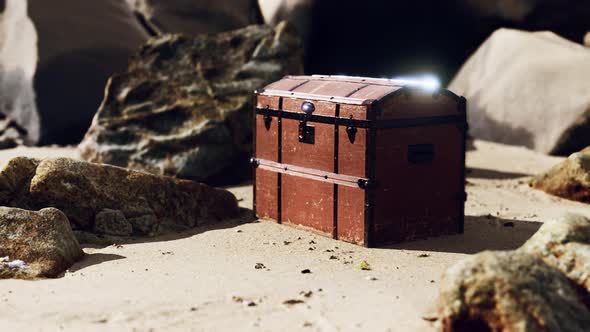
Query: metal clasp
point(306, 133)
point(351, 130)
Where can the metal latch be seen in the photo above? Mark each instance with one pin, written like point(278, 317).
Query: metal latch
point(306, 132)
point(267, 121)
point(351, 131)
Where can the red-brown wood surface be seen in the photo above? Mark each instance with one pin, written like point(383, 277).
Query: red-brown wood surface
point(358, 112)
point(321, 107)
point(351, 156)
point(351, 215)
point(415, 201)
point(266, 194)
point(271, 102)
point(308, 203)
point(267, 140)
point(319, 155)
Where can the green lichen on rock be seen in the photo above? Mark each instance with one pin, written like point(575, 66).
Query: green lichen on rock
point(184, 107)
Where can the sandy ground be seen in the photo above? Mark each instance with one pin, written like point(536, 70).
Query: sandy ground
point(206, 280)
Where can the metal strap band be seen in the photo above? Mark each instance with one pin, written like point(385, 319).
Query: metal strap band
point(313, 174)
point(385, 124)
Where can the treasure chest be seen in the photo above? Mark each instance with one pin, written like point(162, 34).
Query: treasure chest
point(362, 160)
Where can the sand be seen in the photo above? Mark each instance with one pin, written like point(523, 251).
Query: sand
point(206, 280)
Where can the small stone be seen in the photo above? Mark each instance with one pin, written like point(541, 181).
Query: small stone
point(333, 257)
point(306, 294)
point(112, 222)
point(259, 266)
point(293, 302)
point(365, 266)
point(371, 278)
point(250, 303)
point(306, 271)
point(423, 255)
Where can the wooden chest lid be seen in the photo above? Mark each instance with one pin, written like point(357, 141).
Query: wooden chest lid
point(341, 89)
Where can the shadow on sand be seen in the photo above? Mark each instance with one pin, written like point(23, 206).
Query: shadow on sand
point(481, 233)
point(481, 173)
point(94, 241)
point(94, 259)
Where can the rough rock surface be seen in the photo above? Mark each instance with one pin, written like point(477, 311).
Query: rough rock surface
point(196, 17)
point(528, 89)
point(112, 222)
point(509, 291)
point(184, 107)
point(565, 244)
point(94, 196)
point(43, 240)
point(570, 179)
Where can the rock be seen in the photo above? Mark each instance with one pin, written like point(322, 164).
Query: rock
point(86, 192)
point(80, 44)
point(509, 291)
point(43, 240)
point(517, 80)
point(184, 107)
point(197, 17)
point(18, 64)
point(569, 179)
point(587, 39)
point(565, 245)
point(113, 222)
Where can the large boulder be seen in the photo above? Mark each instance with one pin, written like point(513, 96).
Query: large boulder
point(112, 200)
point(42, 240)
point(509, 291)
point(80, 44)
point(528, 89)
point(569, 179)
point(184, 107)
point(565, 245)
point(195, 17)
